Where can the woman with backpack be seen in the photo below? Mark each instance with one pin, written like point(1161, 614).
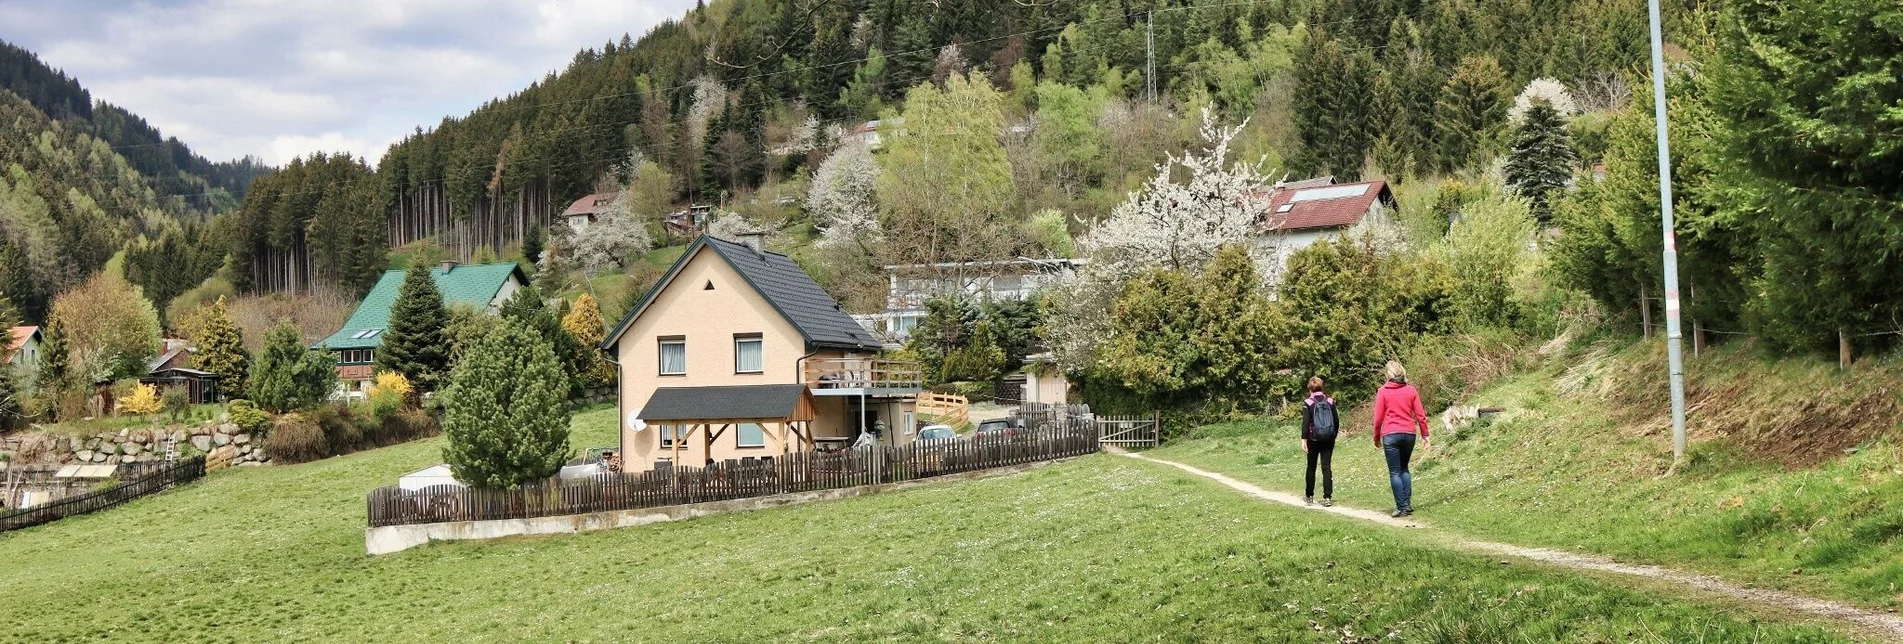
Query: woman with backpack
point(1398, 415)
point(1320, 425)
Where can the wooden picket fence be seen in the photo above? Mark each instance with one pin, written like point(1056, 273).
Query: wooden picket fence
point(159, 481)
point(747, 478)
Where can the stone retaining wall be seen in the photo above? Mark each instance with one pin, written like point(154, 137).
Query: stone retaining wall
point(223, 443)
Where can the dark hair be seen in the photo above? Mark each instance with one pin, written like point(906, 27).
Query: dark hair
point(1315, 384)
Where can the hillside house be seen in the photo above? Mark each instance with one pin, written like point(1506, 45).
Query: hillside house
point(173, 368)
point(482, 287)
point(23, 348)
point(737, 353)
point(909, 286)
point(685, 224)
point(1301, 213)
point(587, 210)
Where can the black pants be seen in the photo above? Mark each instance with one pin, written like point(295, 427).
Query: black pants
point(1323, 451)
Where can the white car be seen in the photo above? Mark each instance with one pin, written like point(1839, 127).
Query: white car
point(937, 433)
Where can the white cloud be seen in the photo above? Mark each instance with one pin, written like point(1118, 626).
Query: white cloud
point(278, 79)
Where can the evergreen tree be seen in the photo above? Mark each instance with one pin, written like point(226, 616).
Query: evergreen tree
point(287, 376)
point(1541, 160)
point(1472, 105)
point(585, 324)
point(414, 344)
point(526, 310)
point(532, 246)
point(12, 407)
point(221, 350)
point(56, 354)
point(505, 412)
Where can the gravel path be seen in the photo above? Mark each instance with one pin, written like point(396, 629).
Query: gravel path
point(1883, 625)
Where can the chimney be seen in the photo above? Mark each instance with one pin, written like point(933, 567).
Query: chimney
point(447, 266)
point(755, 241)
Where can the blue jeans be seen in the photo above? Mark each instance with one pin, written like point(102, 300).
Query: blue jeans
point(1399, 449)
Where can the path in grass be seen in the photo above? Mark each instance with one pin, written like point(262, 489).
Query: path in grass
point(1887, 625)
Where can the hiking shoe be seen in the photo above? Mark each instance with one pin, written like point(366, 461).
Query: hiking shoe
point(1308, 500)
point(1328, 502)
point(1408, 512)
point(1398, 514)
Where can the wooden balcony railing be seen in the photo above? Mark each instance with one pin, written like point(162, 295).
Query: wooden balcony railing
point(863, 373)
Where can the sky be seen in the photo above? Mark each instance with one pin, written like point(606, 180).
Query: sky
point(279, 79)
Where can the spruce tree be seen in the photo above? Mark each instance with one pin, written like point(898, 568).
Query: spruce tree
point(1541, 159)
point(12, 412)
point(505, 413)
point(525, 309)
point(56, 372)
point(286, 376)
point(414, 344)
point(221, 350)
point(1472, 105)
point(532, 245)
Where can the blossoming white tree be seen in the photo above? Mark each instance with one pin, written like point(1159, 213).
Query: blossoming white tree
point(1553, 92)
point(615, 235)
point(842, 196)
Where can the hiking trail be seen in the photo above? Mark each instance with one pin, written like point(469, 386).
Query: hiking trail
point(1884, 625)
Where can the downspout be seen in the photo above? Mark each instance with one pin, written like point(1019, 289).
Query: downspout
point(621, 427)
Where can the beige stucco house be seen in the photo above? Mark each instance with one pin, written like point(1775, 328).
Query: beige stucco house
point(738, 353)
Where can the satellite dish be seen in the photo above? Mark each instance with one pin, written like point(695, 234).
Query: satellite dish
point(635, 422)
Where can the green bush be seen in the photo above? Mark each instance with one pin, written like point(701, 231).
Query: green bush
point(296, 438)
point(340, 429)
point(177, 400)
point(247, 416)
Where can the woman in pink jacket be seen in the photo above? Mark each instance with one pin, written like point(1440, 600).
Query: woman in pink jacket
point(1398, 415)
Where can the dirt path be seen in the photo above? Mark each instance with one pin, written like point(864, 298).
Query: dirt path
point(1886, 626)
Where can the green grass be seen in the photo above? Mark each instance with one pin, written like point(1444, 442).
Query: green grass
point(1570, 471)
point(1098, 549)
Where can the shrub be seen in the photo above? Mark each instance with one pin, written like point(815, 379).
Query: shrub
point(296, 438)
point(177, 400)
point(247, 416)
point(408, 425)
point(142, 401)
point(340, 429)
point(286, 376)
point(506, 411)
point(389, 394)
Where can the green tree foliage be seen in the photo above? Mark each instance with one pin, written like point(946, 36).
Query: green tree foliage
point(414, 345)
point(945, 192)
point(221, 350)
point(112, 327)
point(505, 411)
point(1487, 248)
point(585, 325)
point(1807, 95)
point(980, 360)
point(526, 309)
point(1333, 88)
point(1350, 308)
point(946, 326)
point(1179, 338)
point(323, 212)
point(1067, 136)
point(56, 377)
point(1472, 106)
point(288, 377)
point(1540, 159)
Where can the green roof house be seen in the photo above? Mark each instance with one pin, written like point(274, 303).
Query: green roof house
point(483, 287)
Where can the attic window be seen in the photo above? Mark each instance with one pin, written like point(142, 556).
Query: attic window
point(1285, 207)
point(709, 287)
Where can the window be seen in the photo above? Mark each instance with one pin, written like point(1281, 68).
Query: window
point(356, 356)
point(673, 355)
point(749, 435)
point(670, 434)
point(748, 353)
point(911, 423)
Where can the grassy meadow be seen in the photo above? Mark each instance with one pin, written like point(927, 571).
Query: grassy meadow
point(1097, 549)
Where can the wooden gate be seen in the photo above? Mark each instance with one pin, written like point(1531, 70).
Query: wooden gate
point(1131, 431)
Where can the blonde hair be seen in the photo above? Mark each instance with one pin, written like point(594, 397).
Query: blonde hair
point(1396, 372)
point(1315, 384)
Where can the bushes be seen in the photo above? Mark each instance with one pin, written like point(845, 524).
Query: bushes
point(247, 415)
point(296, 438)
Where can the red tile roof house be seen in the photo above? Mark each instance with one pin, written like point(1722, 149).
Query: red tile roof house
point(1303, 212)
point(22, 348)
point(587, 210)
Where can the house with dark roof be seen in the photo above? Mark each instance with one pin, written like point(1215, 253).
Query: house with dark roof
point(736, 353)
point(587, 210)
point(1301, 213)
point(481, 287)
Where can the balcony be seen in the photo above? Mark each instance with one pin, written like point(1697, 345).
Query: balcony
point(863, 376)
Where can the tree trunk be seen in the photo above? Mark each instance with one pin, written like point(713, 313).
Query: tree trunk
point(1843, 348)
point(1698, 337)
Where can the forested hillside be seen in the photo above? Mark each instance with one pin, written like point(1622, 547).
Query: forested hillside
point(81, 181)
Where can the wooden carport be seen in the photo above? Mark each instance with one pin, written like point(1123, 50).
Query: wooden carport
point(711, 411)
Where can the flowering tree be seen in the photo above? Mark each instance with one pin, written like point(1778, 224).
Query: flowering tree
point(1542, 90)
point(614, 236)
point(732, 225)
point(842, 196)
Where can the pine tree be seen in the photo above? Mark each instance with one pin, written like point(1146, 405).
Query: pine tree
point(526, 310)
point(532, 245)
point(1541, 160)
point(414, 344)
point(584, 323)
point(221, 350)
point(1472, 105)
point(286, 376)
point(504, 411)
point(56, 373)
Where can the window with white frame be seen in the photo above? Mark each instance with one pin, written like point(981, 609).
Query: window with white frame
point(670, 434)
point(749, 435)
point(673, 355)
point(749, 353)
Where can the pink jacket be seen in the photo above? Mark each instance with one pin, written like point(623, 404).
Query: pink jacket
point(1397, 410)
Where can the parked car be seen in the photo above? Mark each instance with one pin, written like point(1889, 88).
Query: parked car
point(999, 428)
point(937, 433)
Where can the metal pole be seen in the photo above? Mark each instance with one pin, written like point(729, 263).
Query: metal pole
point(1673, 335)
point(1149, 62)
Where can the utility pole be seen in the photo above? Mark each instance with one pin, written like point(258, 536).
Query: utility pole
point(1673, 335)
point(1149, 57)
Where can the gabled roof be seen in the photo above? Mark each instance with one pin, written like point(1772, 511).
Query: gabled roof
point(734, 402)
point(1302, 206)
point(589, 205)
point(781, 283)
point(17, 338)
point(475, 285)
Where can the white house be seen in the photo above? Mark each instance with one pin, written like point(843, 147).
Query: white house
point(1303, 212)
point(587, 210)
point(909, 286)
point(23, 347)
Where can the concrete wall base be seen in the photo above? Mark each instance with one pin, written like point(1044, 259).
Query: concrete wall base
point(397, 538)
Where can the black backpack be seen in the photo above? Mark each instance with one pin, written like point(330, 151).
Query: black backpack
point(1322, 420)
